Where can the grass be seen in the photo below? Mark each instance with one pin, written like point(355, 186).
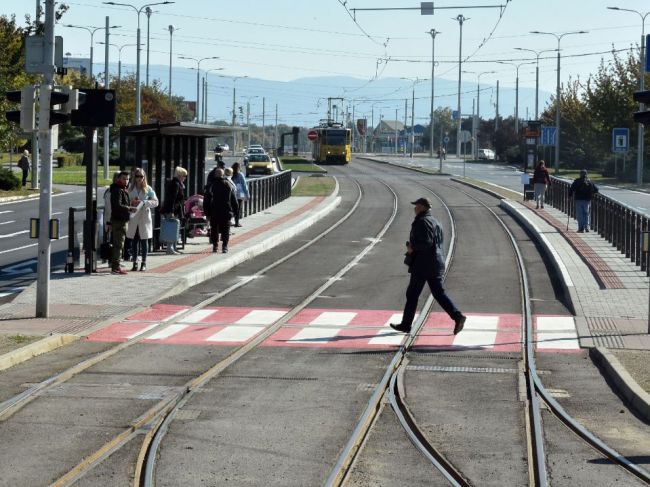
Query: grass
point(12, 342)
point(314, 186)
point(300, 164)
point(76, 175)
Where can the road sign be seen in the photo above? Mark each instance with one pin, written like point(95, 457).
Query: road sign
point(312, 135)
point(465, 136)
point(446, 140)
point(620, 139)
point(454, 114)
point(548, 136)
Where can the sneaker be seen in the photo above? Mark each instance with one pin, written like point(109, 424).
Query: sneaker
point(238, 224)
point(135, 266)
point(580, 231)
point(143, 267)
point(224, 250)
point(401, 328)
point(587, 230)
point(460, 324)
point(119, 272)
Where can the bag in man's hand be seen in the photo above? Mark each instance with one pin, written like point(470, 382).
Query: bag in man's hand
point(105, 250)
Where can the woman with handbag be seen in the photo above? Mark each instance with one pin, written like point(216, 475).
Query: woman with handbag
point(241, 190)
point(174, 206)
point(140, 228)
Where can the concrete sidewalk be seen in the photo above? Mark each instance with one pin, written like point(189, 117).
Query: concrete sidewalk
point(81, 303)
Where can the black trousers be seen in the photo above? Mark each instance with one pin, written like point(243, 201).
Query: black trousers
point(416, 284)
point(25, 174)
point(220, 227)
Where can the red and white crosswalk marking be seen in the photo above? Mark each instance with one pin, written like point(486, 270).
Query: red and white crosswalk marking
point(229, 326)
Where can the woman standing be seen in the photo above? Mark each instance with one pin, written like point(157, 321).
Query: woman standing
point(174, 206)
point(241, 190)
point(541, 180)
point(140, 228)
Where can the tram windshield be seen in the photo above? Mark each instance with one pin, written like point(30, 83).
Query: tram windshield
point(336, 137)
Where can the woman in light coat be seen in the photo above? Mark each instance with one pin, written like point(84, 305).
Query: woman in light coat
point(241, 190)
point(140, 228)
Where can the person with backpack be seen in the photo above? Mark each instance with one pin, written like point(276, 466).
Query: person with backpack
point(583, 190)
point(222, 207)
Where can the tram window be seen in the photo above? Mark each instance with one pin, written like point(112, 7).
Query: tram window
point(336, 137)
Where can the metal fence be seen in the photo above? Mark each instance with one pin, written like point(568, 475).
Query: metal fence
point(616, 222)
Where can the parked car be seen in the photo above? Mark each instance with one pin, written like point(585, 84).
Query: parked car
point(486, 154)
point(259, 164)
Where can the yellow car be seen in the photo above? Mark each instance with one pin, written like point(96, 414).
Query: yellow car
point(259, 164)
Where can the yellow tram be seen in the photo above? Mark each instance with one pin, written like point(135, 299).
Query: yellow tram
point(332, 144)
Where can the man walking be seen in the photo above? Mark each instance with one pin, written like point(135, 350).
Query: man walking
point(584, 190)
point(24, 166)
point(427, 265)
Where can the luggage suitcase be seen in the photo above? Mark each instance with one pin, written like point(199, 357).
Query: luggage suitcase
point(169, 230)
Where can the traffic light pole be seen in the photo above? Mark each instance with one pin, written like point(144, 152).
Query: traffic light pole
point(45, 142)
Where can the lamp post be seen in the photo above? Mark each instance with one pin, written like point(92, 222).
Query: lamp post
point(476, 128)
point(433, 33)
point(148, 11)
point(537, 54)
point(205, 94)
point(171, 30)
point(461, 19)
point(91, 31)
point(198, 70)
point(234, 108)
point(138, 90)
point(557, 92)
point(119, 57)
point(414, 81)
point(517, 66)
point(639, 155)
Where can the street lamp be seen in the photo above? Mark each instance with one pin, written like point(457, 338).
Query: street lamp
point(433, 33)
point(557, 91)
point(119, 57)
point(171, 30)
point(537, 54)
point(414, 81)
point(478, 108)
point(205, 95)
point(234, 79)
point(198, 70)
point(461, 19)
point(138, 91)
point(91, 31)
point(517, 66)
point(639, 156)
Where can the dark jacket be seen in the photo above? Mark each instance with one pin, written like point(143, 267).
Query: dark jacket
point(541, 176)
point(426, 239)
point(120, 203)
point(174, 199)
point(224, 202)
point(583, 189)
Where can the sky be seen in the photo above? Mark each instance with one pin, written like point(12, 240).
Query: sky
point(285, 40)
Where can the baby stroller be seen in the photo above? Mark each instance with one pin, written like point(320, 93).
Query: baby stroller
point(196, 223)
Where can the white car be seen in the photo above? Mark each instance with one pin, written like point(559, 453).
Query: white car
point(486, 154)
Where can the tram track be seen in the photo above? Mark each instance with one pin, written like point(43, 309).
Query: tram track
point(153, 424)
point(536, 394)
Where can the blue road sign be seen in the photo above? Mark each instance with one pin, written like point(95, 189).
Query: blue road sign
point(548, 136)
point(454, 114)
point(620, 140)
point(446, 140)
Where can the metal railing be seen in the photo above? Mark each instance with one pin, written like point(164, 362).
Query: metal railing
point(616, 222)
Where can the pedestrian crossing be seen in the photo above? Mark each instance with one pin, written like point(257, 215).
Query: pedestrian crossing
point(329, 328)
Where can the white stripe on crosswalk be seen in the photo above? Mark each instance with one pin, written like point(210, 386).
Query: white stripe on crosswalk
point(479, 331)
point(567, 340)
point(314, 335)
point(178, 313)
point(555, 323)
point(336, 318)
point(387, 337)
point(144, 330)
point(235, 334)
point(167, 332)
point(395, 318)
point(261, 317)
point(198, 316)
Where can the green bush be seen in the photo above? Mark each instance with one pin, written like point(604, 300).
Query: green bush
point(8, 180)
point(69, 159)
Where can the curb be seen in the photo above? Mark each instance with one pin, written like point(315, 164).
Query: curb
point(32, 350)
point(623, 381)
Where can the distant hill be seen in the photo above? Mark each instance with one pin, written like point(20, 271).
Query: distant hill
point(303, 101)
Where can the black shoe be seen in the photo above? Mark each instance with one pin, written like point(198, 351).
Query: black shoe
point(214, 248)
point(460, 324)
point(224, 250)
point(135, 266)
point(143, 267)
point(400, 327)
point(238, 224)
point(587, 230)
point(581, 231)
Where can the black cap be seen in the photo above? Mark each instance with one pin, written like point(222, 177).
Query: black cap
point(422, 201)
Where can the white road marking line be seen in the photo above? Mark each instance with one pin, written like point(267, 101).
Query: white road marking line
point(6, 211)
point(566, 340)
point(479, 331)
point(7, 235)
point(235, 334)
point(336, 318)
point(179, 312)
point(395, 318)
point(20, 248)
point(261, 317)
point(167, 332)
point(6, 223)
point(387, 337)
point(144, 330)
point(198, 316)
point(555, 323)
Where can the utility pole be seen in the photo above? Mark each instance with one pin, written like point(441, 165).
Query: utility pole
point(461, 19)
point(107, 132)
point(148, 11)
point(406, 102)
point(496, 119)
point(412, 120)
point(45, 199)
point(275, 134)
point(35, 153)
point(263, 120)
point(433, 33)
point(248, 121)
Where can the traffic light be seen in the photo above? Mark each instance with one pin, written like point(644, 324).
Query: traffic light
point(24, 116)
point(66, 99)
point(643, 116)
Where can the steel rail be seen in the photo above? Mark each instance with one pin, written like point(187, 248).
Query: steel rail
point(152, 449)
point(360, 433)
